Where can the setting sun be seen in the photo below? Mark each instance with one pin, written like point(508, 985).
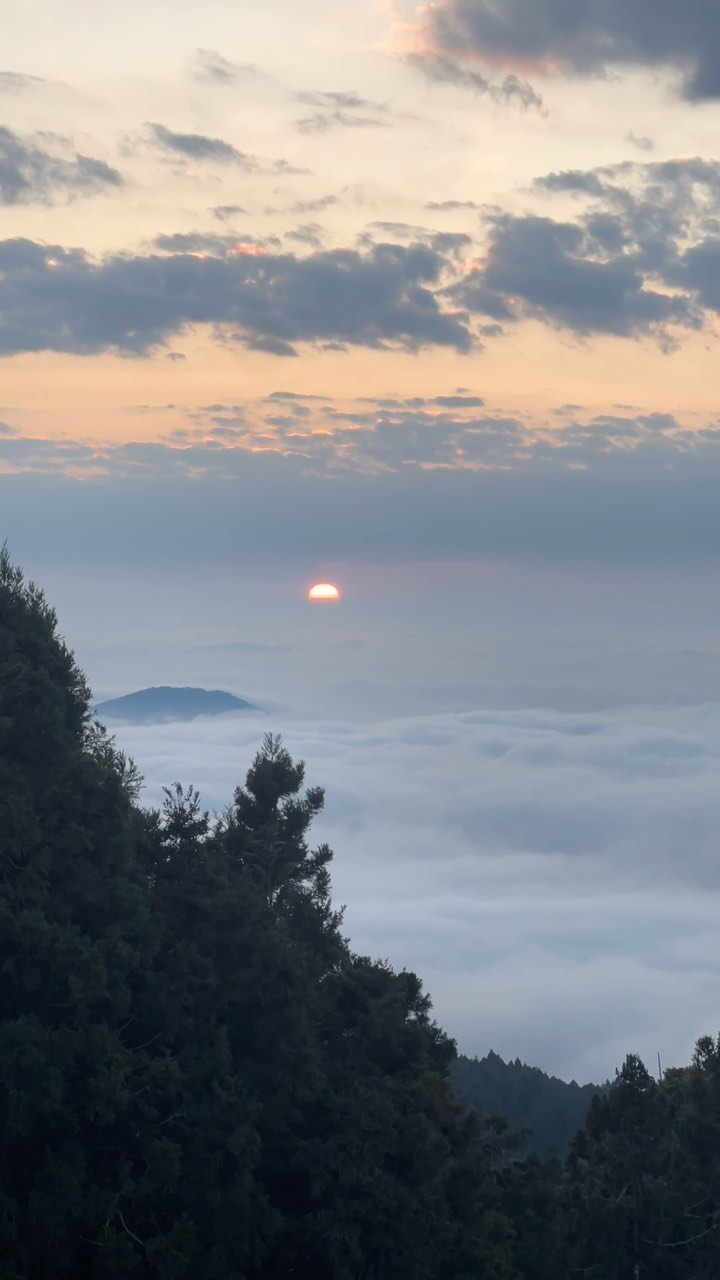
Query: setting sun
point(324, 591)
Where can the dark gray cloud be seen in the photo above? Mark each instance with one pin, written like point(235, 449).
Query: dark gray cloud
point(586, 38)
point(627, 265)
point(213, 68)
point(33, 173)
point(450, 243)
point(640, 257)
point(385, 296)
point(198, 146)
point(510, 91)
point(560, 271)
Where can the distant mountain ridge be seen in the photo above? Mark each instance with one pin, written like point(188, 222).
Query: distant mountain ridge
point(167, 702)
point(552, 1110)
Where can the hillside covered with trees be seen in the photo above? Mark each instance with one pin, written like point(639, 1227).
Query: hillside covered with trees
point(547, 1109)
point(200, 1080)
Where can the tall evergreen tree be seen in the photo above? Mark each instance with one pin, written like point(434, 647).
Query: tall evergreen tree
point(75, 938)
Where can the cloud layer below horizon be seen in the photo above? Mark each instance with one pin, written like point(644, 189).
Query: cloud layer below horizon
point(552, 877)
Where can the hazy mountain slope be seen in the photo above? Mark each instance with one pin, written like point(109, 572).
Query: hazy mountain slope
point(168, 703)
point(528, 1098)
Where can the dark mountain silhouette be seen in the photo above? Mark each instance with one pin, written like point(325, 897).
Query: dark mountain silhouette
point(169, 703)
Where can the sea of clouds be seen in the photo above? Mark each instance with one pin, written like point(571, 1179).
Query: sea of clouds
point(554, 878)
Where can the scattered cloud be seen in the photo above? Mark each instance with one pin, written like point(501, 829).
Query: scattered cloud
point(318, 205)
point(450, 206)
point(309, 233)
point(640, 141)
point(341, 110)
point(442, 476)
point(213, 68)
point(224, 212)
point(198, 146)
point(383, 296)
point(585, 39)
point(510, 91)
point(339, 101)
point(17, 82)
point(638, 260)
point(562, 272)
point(40, 171)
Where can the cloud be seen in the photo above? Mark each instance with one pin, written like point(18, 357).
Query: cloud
point(213, 68)
point(447, 432)
point(584, 38)
point(315, 206)
point(450, 206)
point(458, 401)
point(437, 478)
point(17, 82)
point(552, 877)
point(324, 121)
point(511, 91)
point(558, 271)
point(33, 174)
point(639, 259)
point(310, 233)
point(642, 143)
point(198, 146)
point(341, 110)
point(626, 265)
point(339, 101)
point(384, 296)
point(224, 212)
point(271, 346)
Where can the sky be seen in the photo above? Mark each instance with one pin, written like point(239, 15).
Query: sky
point(423, 299)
